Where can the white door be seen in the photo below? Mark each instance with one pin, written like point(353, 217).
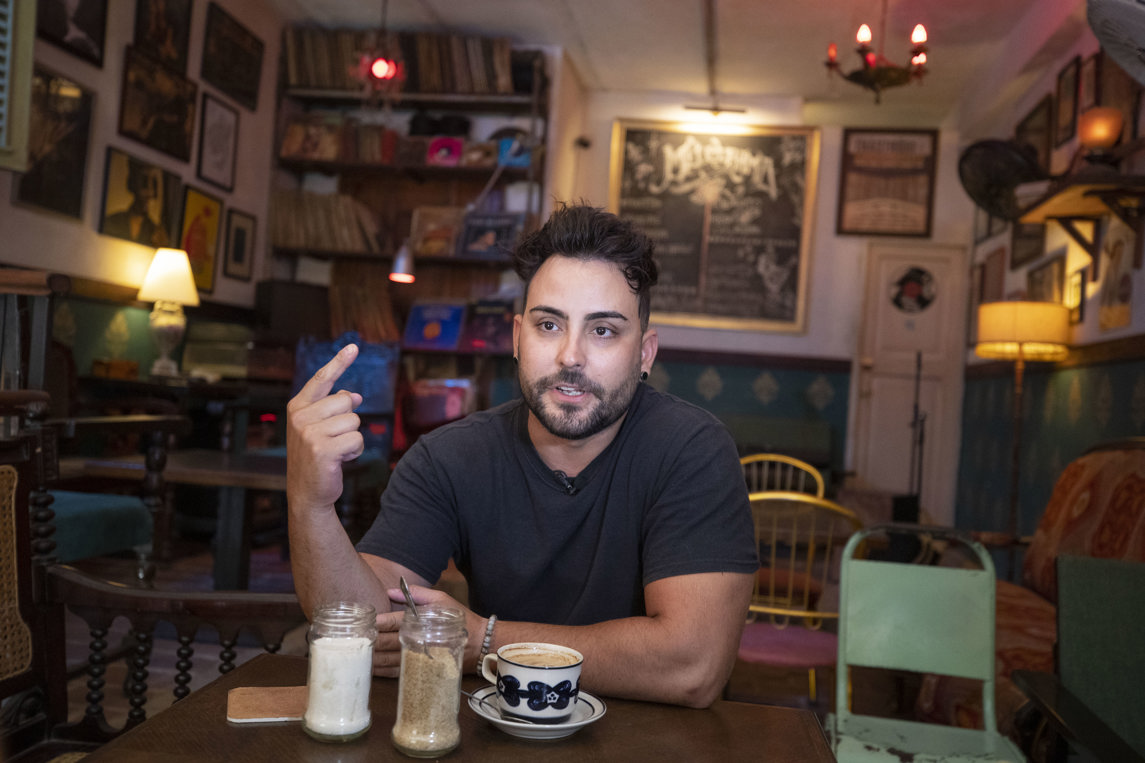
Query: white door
point(913, 327)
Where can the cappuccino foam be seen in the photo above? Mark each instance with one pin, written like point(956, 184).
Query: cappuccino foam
point(541, 658)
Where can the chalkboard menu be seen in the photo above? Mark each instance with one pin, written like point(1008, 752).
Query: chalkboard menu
point(730, 215)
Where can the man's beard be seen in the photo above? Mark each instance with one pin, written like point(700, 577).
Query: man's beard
point(574, 422)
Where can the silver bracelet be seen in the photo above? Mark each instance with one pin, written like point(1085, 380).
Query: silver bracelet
point(487, 642)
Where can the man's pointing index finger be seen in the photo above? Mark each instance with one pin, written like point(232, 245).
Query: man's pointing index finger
point(322, 382)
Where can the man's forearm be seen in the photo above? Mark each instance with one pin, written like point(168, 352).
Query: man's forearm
point(325, 564)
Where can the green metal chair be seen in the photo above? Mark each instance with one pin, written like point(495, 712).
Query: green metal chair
point(926, 619)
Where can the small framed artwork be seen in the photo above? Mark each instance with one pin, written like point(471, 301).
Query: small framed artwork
point(79, 27)
point(1034, 131)
point(232, 57)
point(200, 236)
point(1046, 282)
point(218, 143)
point(886, 186)
point(58, 134)
point(239, 259)
point(162, 31)
point(141, 202)
point(1065, 115)
point(157, 107)
point(1120, 91)
point(1027, 243)
point(974, 297)
point(994, 275)
point(1088, 79)
point(490, 236)
point(1075, 296)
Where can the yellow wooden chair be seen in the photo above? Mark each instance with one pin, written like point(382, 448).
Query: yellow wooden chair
point(799, 537)
point(775, 471)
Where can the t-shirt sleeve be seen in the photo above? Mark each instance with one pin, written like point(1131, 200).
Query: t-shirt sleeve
point(701, 518)
point(416, 525)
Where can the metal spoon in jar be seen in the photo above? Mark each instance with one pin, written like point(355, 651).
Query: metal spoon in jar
point(413, 608)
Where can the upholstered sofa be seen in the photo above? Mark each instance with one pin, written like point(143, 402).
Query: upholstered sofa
point(1097, 508)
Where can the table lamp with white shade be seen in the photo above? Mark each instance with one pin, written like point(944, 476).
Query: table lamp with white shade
point(170, 284)
point(1021, 332)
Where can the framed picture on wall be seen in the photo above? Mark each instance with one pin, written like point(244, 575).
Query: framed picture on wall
point(1034, 132)
point(994, 275)
point(162, 31)
point(1088, 80)
point(1120, 91)
point(1075, 296)
point(239, 259)
point(218, 143)
point(59, 132)
point(200, 236)
point(974, 298)
point(1065, 115)
point(141, 202)
point(873, 201)
point(157, 106)
point(715, 273)
point(232, 57)
point(1046, 282)
point(77, 27)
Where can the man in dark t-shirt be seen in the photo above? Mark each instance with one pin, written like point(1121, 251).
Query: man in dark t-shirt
point(594, 512)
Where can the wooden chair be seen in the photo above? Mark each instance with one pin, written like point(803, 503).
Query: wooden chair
point(915, 618)
point(35, 590)
point(775, 471)
point(799, 536)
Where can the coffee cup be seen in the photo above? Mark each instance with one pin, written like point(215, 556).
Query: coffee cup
point(535, 681)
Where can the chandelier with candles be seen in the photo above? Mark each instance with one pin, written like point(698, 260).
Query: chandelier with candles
point(877, 73)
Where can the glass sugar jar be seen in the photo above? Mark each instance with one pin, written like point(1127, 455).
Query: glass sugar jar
point(433, 644)
point(341, 639)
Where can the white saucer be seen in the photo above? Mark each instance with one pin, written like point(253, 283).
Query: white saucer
point(586, 710)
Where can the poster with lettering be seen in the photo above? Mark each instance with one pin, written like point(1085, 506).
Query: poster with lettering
point(886, 185)
point(730, 214)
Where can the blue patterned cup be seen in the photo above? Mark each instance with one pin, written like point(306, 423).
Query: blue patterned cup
point(535, 681)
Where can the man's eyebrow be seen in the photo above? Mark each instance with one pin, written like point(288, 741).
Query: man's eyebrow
point(545, 309)
point(599, 315)
point(606, 314)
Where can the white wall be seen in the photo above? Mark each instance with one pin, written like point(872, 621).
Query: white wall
point(35, 238)
point(834, 293)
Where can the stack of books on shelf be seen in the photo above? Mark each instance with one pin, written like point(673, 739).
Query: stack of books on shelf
point(322, 222)
point(330, 59)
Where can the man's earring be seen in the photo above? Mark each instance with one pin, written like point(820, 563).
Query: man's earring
point(515, 360)
point(643, 376)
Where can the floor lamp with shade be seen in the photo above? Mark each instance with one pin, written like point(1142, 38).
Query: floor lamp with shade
point(1021, 332)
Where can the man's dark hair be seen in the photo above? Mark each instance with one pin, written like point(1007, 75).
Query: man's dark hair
point(589, 233)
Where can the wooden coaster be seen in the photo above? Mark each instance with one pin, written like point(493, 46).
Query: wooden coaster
point(265, 704)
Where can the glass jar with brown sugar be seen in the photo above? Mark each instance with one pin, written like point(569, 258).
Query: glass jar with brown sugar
point(433, 644)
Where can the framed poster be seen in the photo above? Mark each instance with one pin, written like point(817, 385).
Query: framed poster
point(218, 143)
point(1087, 83)
point(58, 135)
point(1118, 250)
point(886, 186)
point(1034, 132)
point(1120, 91)
point(232, 57)
point(238, 261)
point(200, 236)
point(731, 217)
point(157, 107)
point(994, 275)
point(162, 31)
point(141, 202)
point(974, 297)
point(1027, 243)
point(77, 26)
point(1065, 115)
point(1046, 282)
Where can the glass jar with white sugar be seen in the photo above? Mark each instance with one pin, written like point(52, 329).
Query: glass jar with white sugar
point(341, 639)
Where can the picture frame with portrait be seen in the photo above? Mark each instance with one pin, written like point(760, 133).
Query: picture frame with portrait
point(80, 29)
point(157, 106)
point(60, 132)
point(218, 143)
point(238, 262)
point(200, 235)
point(142, 202)
point(232, 57)
point(163, 31)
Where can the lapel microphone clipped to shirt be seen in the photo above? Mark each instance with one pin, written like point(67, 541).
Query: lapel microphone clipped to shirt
point(566, 483)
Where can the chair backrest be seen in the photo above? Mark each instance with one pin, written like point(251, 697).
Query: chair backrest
point(775, 471)
point(1101, 627)
point(799, 537)
point(925, 619)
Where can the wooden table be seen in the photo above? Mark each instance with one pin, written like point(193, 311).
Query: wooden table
point(196, 729)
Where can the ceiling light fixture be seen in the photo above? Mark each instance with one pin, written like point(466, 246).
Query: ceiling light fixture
point(380, 69)
point(710, 50)
point(877, 73)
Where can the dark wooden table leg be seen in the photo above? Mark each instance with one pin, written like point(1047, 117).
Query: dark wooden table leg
point(232, 541)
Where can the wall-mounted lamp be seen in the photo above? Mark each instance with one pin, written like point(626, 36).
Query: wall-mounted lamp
point(402, 270)
point(170, 284)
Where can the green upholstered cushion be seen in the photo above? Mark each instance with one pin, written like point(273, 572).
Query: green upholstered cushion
point(95, 524)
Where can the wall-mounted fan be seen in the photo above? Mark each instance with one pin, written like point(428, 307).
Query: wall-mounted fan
point(991, 171)
point(1119, 26)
